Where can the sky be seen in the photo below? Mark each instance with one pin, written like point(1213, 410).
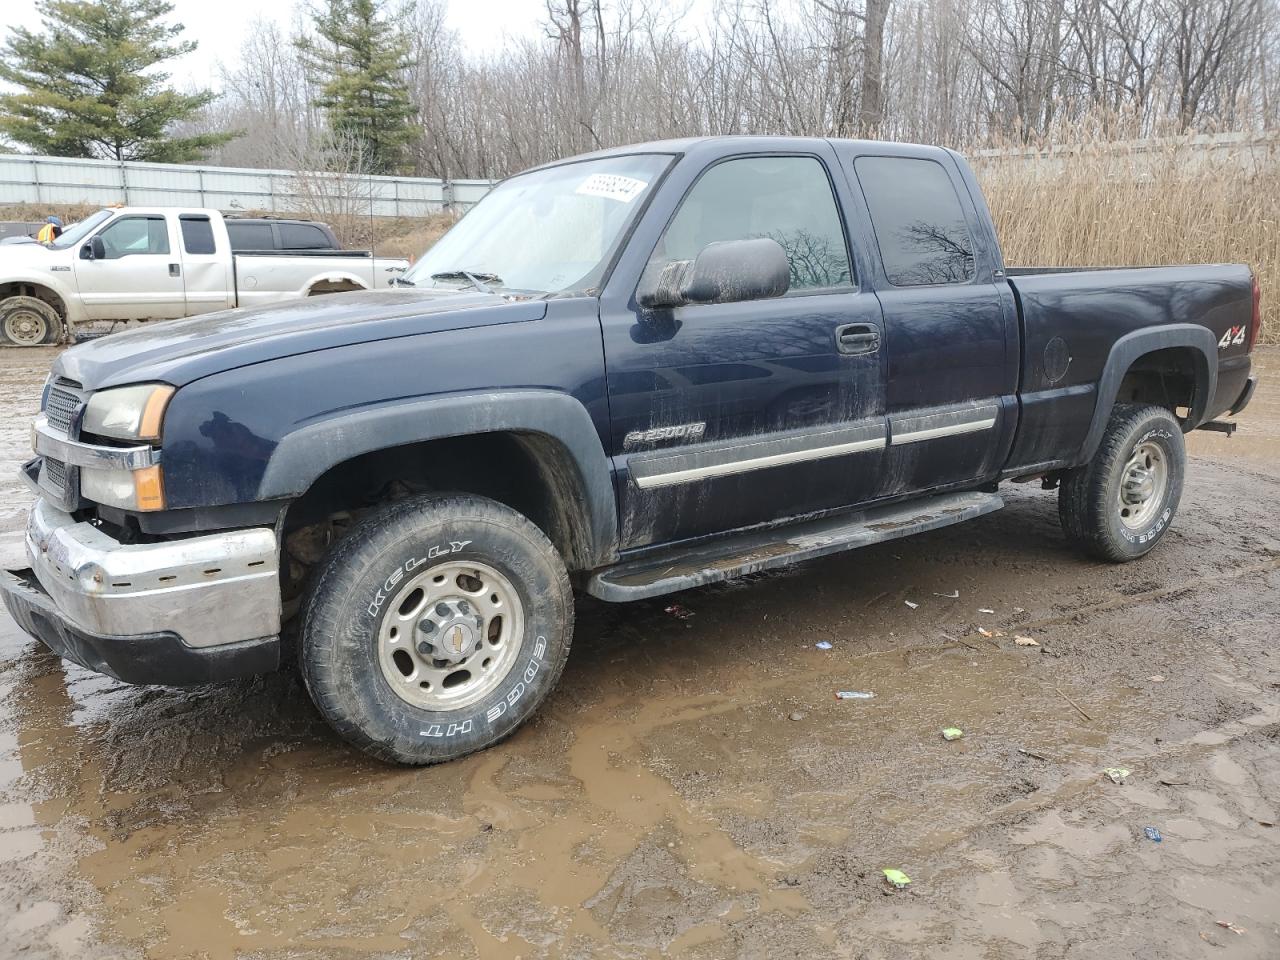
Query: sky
point(219, 27)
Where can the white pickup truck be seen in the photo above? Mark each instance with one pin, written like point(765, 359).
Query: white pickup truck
point(160, 263)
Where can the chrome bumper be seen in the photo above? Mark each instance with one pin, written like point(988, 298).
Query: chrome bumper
point(209, 590)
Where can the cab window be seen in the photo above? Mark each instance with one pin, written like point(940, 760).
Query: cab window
point(787, 199)
point(131, 236)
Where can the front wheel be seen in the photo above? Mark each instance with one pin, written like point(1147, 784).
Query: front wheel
point(1118, 505)
point(28, 322)
point(436, 628)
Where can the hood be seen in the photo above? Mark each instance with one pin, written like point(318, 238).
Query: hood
point(180, 351)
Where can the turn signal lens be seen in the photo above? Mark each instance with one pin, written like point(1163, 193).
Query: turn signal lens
point(148, 488)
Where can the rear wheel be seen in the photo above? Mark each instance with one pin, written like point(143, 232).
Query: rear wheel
point(28, 322)
point(1118, 505)
point(436, 628)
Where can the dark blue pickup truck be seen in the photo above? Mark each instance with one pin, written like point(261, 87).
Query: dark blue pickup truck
point(635, 372)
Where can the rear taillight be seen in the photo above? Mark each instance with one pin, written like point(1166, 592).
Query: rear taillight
point(1255, 324)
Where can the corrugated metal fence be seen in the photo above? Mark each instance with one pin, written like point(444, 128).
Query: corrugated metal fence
point(59, 180)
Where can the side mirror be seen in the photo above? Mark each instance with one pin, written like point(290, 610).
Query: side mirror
point(93, 249)
point(728, 271)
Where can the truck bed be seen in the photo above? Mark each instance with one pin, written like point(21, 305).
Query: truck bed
point(1072, 318)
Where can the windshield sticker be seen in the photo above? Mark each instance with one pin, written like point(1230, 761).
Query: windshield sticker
point(611, 186)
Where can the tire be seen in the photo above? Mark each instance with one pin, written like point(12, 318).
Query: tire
point(28, 322)
point(383, 664)
point(1118, 505)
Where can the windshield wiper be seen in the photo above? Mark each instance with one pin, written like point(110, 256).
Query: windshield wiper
point(478, 280)
point(401, 282)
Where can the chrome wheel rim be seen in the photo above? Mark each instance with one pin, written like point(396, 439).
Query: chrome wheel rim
point(1142, 485)
point(450, 635)
point(25, 327)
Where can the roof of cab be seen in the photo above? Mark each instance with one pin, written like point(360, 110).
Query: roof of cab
point(726, 145)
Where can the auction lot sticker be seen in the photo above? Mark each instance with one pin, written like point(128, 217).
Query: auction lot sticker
point(611, 186)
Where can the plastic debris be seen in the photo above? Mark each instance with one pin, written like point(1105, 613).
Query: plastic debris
point(1152, 834)
point(1156, 678)
point(854, 695)
point(822, 645)
point(985, 632)
point(899, 879)
point(679, 612)
point(1116, 774)
point(1025, 642)
point(910, 604)
point(953, 595)
point(1228, 925)
point(952, 733)
point(985, 610)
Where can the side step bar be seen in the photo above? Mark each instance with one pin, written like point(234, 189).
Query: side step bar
point(759, 550)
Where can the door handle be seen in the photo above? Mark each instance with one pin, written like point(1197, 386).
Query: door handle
point(175, 270)
point(854, 338)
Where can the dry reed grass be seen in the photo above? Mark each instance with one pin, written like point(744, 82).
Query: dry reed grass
point(1141, 203)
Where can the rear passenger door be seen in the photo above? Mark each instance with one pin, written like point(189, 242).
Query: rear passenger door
point(950, 325)
point(204, 266)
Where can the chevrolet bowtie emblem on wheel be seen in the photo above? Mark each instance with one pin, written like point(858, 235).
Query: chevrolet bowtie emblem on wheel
point(458, 640)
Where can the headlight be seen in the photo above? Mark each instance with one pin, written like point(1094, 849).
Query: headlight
point(128, 413)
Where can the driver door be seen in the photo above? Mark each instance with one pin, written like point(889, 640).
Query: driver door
point(140, 275)
point(726, 415)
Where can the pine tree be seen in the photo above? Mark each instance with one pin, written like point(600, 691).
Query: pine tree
point(87, 87)
point(358, 62)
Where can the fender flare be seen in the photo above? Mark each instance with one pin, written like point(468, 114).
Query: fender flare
point(1130, 347)
point(305, 455)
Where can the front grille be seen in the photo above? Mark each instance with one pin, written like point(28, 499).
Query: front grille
point(55, 472)
point(61, 408)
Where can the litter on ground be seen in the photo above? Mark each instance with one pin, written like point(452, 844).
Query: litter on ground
point(898, 878)
point(985, 632)
point(1156, 678)
point(1152, 834)
point(953, 595)
point(1116, 774)
point(1025, 642)
point(680, 612)
point(822, 645)
point(1225, 924)
point(910, 604)
point(985, 610)
point(952, 733)
point(854, 695)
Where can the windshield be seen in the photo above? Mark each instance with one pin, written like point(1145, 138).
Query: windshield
point(549, 231)
point(78, 231)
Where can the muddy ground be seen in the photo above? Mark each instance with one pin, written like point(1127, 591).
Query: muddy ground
point(694, 788)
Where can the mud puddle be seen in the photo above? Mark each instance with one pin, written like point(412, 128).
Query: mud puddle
point(665, 803)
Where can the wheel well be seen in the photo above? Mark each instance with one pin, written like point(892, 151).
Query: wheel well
point(529, 472)
point(1167, 378)
point(19, 288)
point(334, 286)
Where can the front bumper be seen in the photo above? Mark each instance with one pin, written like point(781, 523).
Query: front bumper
point(139, 658)
point(110, 606)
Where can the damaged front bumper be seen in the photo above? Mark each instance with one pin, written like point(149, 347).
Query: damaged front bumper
point(174, 612)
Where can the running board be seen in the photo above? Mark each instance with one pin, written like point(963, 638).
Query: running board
point(759, 550)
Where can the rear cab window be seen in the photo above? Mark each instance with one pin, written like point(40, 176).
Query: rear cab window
point(918, 220)
point(197, 234)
